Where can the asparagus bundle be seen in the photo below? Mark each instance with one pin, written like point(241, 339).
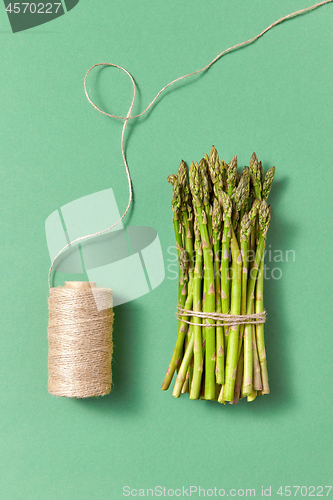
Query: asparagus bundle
point(220, 219)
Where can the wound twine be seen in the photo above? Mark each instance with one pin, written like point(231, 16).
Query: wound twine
point(80, 340)
point(224, 319)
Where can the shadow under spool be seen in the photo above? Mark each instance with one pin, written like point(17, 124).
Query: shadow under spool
point(80, 340)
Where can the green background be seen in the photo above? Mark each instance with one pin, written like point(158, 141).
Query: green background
point(274, 97)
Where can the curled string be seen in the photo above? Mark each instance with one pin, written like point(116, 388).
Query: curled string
point(129, 117)
point(126, 118)
point(223, 319)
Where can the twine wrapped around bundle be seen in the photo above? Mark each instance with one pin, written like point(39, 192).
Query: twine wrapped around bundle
point(80, 340)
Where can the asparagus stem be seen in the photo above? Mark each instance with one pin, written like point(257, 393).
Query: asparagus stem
point(210, 356)
point(185, 387)
point(264, 217)
point(189, 373)
point(252, 396)
point(257, 383)
point(221, 398)
point(182, 329)
point(217, 173)
point(186, 215)
point(244, 244)
point(217, 223)
point(260, 330)
point(233, 341)
point(225, 203)
point(183, 259)
point(239, 377)
point(197, 345)
point(175, 205)
point(181, 376)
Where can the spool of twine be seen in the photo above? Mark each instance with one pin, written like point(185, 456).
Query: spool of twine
point(80, 340)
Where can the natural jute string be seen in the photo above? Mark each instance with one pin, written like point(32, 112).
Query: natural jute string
point(224, 319)
point(80, 340)
point(129, 117)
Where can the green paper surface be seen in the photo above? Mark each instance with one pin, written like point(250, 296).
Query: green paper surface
point(273, 97)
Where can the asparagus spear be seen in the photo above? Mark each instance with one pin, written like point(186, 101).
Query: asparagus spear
point(225, 203)
point(186, 214)
point(182, 329)
point(185, 289)
point(257, 383)
point(217, 223)
point(232, 352)
point(244, 245)
point(255, 173)
point(264, 218)
point(231, 176)
point(175, 205)
point(181, 376)
point(259, 306)
point(260, 330)
point(240, 199)
point(187, 224)
point(242, 191)
point(217, 172)
point(216, 168)
point(239, 377)
point(268, 180)
point(200, 204)
point(261, 171)
point(206, 191)
point(197, 344)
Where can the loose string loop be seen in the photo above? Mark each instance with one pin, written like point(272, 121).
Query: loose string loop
point(81, 238)
point(129, 117)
